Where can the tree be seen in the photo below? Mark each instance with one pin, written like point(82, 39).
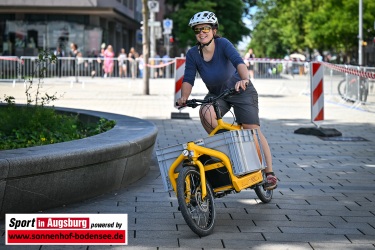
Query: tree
point(279, 27)
point(285, 26)
point(333, 25)
point(229, 14)
point(267, 33)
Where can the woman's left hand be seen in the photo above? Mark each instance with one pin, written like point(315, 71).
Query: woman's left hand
point(241, 84)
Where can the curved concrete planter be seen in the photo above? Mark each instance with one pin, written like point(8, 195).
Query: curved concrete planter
point(37, 178)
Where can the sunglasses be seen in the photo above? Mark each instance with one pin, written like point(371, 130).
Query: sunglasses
point(205, 29)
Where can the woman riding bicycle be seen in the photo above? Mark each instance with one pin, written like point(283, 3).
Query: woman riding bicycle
point(221, 67)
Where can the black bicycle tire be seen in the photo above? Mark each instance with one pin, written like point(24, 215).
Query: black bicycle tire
point(264, 195)
point(342, 95)
point(261, 193)
point(364, 91)
point(191, 222)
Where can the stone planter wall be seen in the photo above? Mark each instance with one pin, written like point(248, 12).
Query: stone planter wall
point(38, 178)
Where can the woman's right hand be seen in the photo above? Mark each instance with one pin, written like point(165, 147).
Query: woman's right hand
point(185, 93)
point(181, 101)
point(241, 84)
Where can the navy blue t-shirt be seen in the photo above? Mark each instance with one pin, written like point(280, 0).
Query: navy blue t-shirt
point(220, 73)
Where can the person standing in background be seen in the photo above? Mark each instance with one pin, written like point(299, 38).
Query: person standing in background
point(122, 69)
point(108, 61)
point(250, 63)
point(100, 61)
point(140, 65)
point(58, 53)
point(73, 53)
point(133, 55)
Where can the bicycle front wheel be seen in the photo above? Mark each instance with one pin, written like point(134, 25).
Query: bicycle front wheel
point(198, 213)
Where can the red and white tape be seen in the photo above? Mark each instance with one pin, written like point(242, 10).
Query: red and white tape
point(11, 58)
point(270, 60)
point(365, 74)
point(317, 93)
point(260, 59)
point(179, 76)
point(159, 65)
point(343, 69)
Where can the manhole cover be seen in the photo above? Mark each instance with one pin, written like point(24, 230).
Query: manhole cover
point(342, 138)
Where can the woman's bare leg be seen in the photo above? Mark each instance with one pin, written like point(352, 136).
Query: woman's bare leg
point(265, 146)
point(208, 118)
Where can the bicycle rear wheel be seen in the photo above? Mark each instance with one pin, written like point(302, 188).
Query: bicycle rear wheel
point(348, 91)
point(263, 194)
point(198, 213)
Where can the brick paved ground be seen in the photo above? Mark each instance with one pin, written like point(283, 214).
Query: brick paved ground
point(326, 194)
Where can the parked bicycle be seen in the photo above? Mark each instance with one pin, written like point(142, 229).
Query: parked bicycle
point(351, 91)
point(229, 160)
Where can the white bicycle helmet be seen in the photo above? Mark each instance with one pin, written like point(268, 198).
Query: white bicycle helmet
point(204, 17)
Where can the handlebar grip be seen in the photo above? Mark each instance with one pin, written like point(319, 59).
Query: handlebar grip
point(180, 107)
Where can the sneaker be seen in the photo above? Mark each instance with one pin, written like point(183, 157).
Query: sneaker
point(271, 182)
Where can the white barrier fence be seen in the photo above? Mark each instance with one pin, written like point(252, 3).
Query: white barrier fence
point(98, 67)
point(22, 68)
point(350, 83)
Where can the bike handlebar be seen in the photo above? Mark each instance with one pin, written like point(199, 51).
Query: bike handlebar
point(193, 103)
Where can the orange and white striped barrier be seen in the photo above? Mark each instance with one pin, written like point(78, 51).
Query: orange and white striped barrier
point(317, 93)
point(317, 104)
point(179, 76)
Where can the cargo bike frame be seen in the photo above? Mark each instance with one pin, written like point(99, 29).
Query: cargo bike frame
point(231, 159)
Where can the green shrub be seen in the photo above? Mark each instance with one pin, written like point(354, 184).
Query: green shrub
point(27, 126)
point(35, 124)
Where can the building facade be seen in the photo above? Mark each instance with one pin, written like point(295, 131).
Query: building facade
point(27, 26)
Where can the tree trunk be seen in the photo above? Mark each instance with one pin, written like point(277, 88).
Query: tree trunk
point(145, 43)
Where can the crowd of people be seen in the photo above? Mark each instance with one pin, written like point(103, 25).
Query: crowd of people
point(129, 64)
point(105, 63)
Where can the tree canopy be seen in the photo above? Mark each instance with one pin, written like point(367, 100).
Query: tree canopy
point(287, 26)
point(229, 14)
point(281, 27)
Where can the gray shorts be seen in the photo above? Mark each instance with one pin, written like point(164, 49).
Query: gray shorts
point(245, 105)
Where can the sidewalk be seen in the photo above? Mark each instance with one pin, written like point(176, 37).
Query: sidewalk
point(326, 194)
